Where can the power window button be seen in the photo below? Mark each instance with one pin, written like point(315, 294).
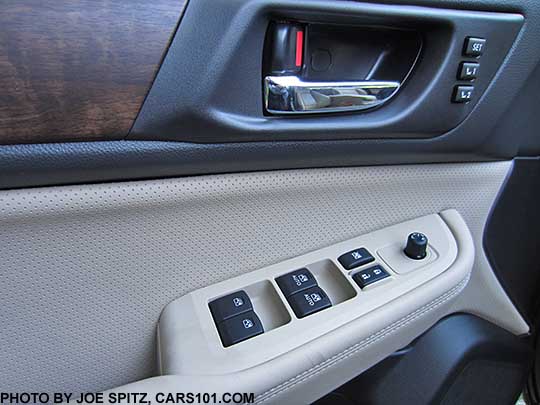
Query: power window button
point(231, 305)
point(309, 301)
point(296, 281)
point(239, 328)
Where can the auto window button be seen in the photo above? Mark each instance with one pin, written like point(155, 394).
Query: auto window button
point(355, 258)
point(309, 301)
point(239, 328)
point(296, 281)
point(230, 305)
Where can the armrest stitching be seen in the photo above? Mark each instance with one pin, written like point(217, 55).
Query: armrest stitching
point(363, 344)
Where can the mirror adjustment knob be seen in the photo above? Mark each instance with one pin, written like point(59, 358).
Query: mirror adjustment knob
point(416, 246)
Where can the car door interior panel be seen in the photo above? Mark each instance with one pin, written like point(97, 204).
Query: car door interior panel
point(173, 231)
point(306, 201)
point(473, 341)
point(481, 136)
point(288, 326)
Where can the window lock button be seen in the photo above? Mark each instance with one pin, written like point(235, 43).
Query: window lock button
point(309, 301)
point(239, 328)
point(355, 258)
point(296, 281)
point(230, 305)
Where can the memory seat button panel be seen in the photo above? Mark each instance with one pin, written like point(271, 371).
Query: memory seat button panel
point(468, 70)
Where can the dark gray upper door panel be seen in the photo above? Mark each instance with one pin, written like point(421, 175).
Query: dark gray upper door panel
point(209, 87)
point(503, 123)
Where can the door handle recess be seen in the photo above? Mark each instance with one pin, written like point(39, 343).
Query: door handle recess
point(291, 95)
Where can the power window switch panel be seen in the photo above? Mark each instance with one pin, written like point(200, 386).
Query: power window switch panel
point(369, 276)
point(239, 328)
point(474, 46)
point(230, 305)
point(462, 94)
point(355, 258)
point(309, 301)
point(468, 70)
point(296, 281)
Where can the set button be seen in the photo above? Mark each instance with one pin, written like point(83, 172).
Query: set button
point(474, 47)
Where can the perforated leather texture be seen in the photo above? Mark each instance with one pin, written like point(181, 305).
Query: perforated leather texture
point(86, 270)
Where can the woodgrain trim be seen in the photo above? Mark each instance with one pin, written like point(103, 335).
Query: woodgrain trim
point(78, 69)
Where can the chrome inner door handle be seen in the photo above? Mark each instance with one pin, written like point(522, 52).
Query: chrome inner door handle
point(291, 95)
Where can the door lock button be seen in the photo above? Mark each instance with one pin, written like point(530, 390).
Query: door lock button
point(355, 258)
point(468, 70)
point(231, 305)
point(296, 281)
point(239, 328)
point(309, 301)
point(369, 276)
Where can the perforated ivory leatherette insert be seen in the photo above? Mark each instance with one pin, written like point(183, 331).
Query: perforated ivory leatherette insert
point(86, 270)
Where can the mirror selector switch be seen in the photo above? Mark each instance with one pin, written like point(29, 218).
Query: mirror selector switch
point(296, 281)
point(416, 247)
point(230, 305)
point(309, 301)
point(369, 276)
point(355, 258)
point(239, 328)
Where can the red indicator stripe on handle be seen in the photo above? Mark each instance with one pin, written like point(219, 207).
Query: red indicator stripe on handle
point(299, 47)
